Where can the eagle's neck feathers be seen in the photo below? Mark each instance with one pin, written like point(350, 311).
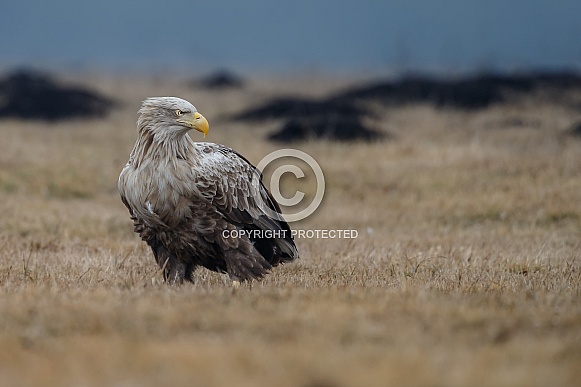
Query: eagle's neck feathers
point(156, 144)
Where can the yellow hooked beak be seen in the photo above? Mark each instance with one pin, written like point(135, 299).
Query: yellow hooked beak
point(200, 123)
point(197, 122)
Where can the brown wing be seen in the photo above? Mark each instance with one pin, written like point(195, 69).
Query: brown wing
point(234, 187)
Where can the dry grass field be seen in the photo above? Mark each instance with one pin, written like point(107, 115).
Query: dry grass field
point(466, 269)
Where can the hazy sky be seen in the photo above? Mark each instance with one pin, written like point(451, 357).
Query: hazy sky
point(293, 35)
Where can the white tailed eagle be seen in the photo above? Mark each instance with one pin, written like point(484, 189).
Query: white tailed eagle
point(199, 203)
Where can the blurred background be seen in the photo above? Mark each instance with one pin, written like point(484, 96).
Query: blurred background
point(280, 36)
point(449, 134)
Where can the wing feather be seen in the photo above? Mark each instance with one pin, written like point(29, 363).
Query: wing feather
point(234, 187)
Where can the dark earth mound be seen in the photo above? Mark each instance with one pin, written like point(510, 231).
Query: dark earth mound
point(575, 129)
point(463, 93)
point(325, 127)
point(340, 116)
point(27, 94)
point(295, 107)
point(221, 79)
point(308, 119)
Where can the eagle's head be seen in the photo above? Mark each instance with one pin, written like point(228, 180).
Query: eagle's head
point(168, 115)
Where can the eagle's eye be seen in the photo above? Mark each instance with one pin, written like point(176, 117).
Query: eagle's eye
point(179, 113)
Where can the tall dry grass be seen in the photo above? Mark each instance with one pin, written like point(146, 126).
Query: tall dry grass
point(466, 269)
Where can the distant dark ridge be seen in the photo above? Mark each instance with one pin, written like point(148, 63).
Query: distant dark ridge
point(27, 94)
point(295, 107)
point(221, 79)
point(575, 129)
point(464, 93)
point(337, 128)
